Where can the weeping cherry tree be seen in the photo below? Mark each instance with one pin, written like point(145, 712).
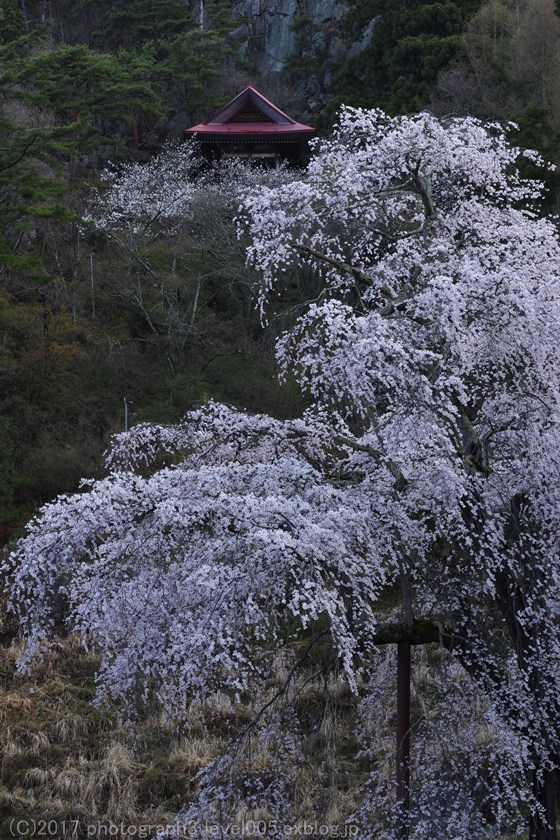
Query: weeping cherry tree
point(417, 500)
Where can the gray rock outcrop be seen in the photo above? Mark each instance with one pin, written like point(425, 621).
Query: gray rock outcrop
point(268, 35)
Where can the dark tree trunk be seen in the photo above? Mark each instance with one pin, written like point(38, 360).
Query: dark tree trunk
point(545, 793)
point(403, 739)
point(23, 7)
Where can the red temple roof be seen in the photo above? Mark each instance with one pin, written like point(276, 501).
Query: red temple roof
point(250, 113)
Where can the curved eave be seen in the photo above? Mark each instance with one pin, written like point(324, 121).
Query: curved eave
point(246, 130)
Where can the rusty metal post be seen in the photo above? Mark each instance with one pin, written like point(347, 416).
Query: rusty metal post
point(403, 739)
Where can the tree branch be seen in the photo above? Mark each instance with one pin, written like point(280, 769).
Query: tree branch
point(17, 160)
point(373, 453)
point(356, 273)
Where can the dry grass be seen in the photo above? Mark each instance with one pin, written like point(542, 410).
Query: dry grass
point(64, 759)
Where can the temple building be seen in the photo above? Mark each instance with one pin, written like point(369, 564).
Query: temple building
point(250, 126)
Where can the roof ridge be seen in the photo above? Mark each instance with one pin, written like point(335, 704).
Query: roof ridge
point(250, 94)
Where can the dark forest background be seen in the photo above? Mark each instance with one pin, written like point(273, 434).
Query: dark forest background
point(85, 324)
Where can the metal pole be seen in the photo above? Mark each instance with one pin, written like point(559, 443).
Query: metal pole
point(125, 414)
point(403, 739)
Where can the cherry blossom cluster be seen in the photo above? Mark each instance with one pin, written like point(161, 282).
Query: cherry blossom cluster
point(146, 197)
point(184, 577)
point(158, 196)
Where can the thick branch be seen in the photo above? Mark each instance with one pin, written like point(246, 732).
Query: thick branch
point(423, 192)
point(356, 273)
point(474, 455)
point(373, 453)
point(18, 159)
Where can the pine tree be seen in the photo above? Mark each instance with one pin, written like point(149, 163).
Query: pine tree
point(89, 99)
point(98, 93)
point(131, 25)
point(30, 185)
point(187, 57)
point(411, 43)
point(12, 22)
point(197, 58)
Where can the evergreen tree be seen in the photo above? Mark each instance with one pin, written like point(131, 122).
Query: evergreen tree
point(96, 92)
point(198, 58)
point(12, 22)
point(311, 58)
point(187, 57)
point(54, 104)
point(30, 185)
point(131, 25)
point(410, 44)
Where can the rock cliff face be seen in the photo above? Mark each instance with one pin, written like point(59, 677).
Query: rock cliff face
point(268, 32)
point(290, 47)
